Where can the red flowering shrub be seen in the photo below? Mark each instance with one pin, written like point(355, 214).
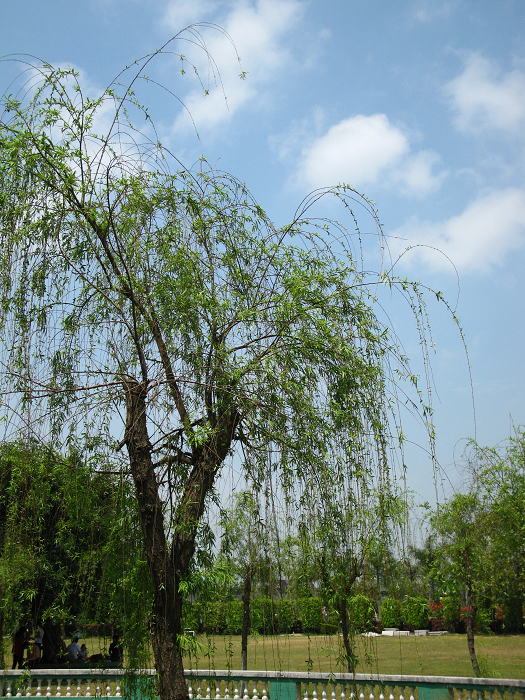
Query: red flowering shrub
point(436, 611)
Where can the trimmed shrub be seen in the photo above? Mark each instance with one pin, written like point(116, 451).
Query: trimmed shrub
point(390, 613)
point(361, 613)
point(262, 612)
point(331, 624)
point(438, 625)
point(214, 617)
point(311, 614)
point(451, 610)
point(191, 616)
point(416, 612)
point(234, 617)
point(286, 614)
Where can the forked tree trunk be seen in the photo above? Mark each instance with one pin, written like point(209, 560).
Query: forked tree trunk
point(168, 564)
point(246, 595)
point(167, 605)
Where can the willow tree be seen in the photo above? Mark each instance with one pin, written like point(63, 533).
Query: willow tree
point(161, 310)
point(359, 515)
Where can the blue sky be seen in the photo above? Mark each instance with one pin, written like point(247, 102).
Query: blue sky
point(418, 104)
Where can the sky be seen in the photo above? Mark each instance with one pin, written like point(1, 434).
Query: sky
point(418, 104)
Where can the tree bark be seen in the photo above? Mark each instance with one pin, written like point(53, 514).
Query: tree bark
point(246, 595)
point(2, 659)
point(168, 565)
point(52, 643)
point(470, 639)
point(343, 612)
point(167, 605)
point(472, 609)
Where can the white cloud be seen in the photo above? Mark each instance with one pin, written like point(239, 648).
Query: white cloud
point(354, 151)
point(481, 236)
point(416, 174)
point(364, 150)
point(427, 10)
point(485, 98)
point(259, 30)
point(182, 13)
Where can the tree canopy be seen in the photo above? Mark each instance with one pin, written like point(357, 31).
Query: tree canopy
point(159, 309)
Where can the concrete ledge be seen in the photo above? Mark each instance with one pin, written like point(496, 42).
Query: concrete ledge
point(395, 633)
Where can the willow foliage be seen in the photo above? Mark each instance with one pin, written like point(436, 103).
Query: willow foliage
point(161, 310)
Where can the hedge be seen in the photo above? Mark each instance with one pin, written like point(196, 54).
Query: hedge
point(234, 617)
point(361, 613)
point(214, 617)
point(451, 610)
point(390, 613)
point(191, 616)
point(263, 615)
point(311, 614)
point(416, 612)
point(287, 614)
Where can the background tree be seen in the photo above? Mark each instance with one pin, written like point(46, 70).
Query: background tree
point(170, 302)
point(241, 546)
point(498, 476)
point(480, 539)
point(424, 558)
point(63, 532)
point(461, 526)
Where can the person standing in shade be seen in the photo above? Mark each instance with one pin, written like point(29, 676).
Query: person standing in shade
point(19, 644)
point(34, 656)
point(115, 649)
point(39, 637)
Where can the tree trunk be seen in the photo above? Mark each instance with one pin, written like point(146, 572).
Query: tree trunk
point(470, 639)
point(246, 616)
point(343, 612)
point(167, 606)
point(52, 643)
point(2, 659)
point(472, 609)
point(168, 565)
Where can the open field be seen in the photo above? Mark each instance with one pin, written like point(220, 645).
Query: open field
point(504, 655)
point(447, 655)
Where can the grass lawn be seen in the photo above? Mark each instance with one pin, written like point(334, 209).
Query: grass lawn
point(504, 656)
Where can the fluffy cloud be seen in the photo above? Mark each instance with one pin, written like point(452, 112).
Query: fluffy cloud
point(363, 150)
point(483, 97)
point(481, 236)
point(259, 29)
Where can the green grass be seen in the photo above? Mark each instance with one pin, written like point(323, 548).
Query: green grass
point(504, 656)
